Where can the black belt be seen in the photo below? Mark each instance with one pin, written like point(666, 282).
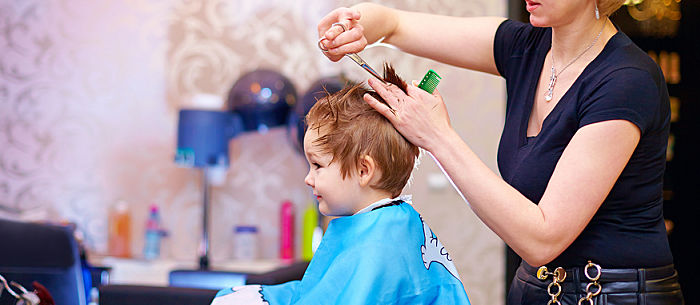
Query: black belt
point(641, 280)
point(614, 275)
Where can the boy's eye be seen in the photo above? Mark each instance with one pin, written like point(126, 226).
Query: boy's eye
point(316, 165)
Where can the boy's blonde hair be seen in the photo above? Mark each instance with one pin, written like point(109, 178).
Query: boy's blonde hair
point(352, 128)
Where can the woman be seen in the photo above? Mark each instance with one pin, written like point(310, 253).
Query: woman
point(582, 152)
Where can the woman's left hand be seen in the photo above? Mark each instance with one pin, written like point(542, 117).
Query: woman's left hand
point(419, 116)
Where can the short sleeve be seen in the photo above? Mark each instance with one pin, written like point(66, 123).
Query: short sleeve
point(626, 94)
point(512, 39)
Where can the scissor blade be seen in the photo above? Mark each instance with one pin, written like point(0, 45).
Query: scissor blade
point(357, 59)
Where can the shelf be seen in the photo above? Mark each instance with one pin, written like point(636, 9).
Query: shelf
point(126, 271)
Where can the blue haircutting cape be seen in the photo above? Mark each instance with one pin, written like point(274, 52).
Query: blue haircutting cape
point(385, 256)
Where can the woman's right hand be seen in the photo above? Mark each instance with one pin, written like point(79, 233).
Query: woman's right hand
point(335, 40)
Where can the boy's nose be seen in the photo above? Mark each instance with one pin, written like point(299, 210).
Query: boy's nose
point(308, 180)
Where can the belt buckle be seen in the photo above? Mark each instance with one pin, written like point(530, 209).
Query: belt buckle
point(559, 274)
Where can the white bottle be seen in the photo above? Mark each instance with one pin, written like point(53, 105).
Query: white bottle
point(245, 242)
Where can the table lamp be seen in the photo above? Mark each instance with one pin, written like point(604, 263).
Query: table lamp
point(259, 100)
point(202, 142)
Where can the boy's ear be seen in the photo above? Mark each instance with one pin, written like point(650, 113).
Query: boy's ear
point(367, 170)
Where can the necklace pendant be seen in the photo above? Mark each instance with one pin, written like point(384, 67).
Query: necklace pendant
point(550, 90)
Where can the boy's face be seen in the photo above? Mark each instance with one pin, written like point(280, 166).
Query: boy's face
point(336, 196)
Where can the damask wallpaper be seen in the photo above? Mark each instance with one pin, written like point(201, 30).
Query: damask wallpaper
point(89, 94)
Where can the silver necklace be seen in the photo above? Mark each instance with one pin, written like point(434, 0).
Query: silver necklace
point(553, 78)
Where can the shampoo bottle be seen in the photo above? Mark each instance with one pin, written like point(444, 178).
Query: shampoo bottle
point(119, 243)
point(287, 231)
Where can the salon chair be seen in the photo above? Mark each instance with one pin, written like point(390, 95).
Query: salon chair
point(44, 253)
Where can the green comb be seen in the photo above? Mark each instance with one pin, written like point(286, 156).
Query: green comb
point(430, 81)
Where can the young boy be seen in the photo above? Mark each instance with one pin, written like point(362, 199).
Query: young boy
point(379, 250)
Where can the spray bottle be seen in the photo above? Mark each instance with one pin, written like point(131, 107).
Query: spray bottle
point(151, 248)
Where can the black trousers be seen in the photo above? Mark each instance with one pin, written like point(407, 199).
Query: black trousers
point(644, 286)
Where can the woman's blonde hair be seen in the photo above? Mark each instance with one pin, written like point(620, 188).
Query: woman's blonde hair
point(352, 129)
point(607, 7)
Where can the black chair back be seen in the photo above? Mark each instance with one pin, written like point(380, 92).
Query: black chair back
point(44, 253)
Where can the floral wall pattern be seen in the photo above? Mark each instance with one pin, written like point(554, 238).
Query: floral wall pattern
point(89, 94)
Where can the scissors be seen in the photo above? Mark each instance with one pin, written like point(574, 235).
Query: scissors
point(356, 58)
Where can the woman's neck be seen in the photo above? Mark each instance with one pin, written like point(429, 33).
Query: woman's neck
point(568, 41)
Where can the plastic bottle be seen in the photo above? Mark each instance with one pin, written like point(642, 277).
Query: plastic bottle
point(119, 243)
point(307, 235)
point(287, 231)
point(245, 239)
point(151, 248)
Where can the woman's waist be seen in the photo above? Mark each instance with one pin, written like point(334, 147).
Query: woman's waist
point(617, 248)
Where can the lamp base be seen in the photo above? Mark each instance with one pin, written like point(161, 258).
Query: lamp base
point(203, 262)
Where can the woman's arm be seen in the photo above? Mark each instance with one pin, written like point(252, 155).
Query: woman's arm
point(462, 42)
point(583, 177)
point(581, 180)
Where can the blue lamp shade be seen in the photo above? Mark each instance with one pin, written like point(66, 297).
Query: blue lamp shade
point(262, 98)
point(319, 89)
point(203, 137)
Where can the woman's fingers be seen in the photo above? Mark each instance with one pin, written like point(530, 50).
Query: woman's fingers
point(416, 91)
point(426, 112)
point(352, 47)
point(382, 108)
point(413, 90)
point(340, 33)
point(352, 34)
point(387, 92)
point(342, 15)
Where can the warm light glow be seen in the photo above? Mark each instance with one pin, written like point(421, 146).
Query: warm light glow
point(657, 17)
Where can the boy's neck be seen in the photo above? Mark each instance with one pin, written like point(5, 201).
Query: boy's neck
point(370, 196)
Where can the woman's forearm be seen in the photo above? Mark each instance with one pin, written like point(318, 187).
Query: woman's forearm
point(583, 177)
point(514, 218)
point(377, 21)
point(441, 38)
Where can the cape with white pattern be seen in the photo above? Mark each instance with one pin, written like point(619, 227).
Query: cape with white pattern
point(385, 255)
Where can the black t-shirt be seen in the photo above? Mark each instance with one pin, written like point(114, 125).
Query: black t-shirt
point(621, 83)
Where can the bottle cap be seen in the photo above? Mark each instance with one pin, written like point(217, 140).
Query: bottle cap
point(245, 229)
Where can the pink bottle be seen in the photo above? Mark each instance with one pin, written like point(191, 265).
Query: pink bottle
point(287, 231)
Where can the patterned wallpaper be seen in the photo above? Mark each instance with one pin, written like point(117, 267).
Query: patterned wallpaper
point(89, 94)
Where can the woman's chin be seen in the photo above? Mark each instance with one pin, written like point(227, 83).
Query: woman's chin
point(538, 21)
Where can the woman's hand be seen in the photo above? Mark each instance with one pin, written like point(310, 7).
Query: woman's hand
point(419, 116)
point(337, 41)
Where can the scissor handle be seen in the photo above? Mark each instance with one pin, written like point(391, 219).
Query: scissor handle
point(320, 46)
point(356, 58)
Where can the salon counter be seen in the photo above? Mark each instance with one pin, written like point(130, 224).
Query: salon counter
point(125, 271)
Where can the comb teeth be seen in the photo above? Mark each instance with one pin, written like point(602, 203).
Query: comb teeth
point(430, 81)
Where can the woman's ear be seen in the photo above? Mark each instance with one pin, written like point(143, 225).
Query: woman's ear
point(367, 170)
